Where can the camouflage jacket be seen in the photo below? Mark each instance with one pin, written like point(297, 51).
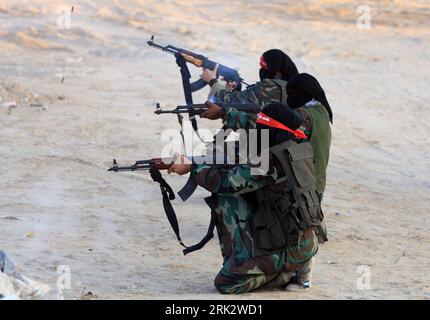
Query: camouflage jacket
point(262, 93)
point(233, 216)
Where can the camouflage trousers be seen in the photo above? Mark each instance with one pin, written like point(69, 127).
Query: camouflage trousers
point(295, 257)
point(230, 283)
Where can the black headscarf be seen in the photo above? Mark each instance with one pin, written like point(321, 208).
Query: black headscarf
point(284, 115)
point(276, 60)
point(302, 88)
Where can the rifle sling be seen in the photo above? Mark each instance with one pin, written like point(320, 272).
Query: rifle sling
point(186, 76)
point(168, 194)
point(188, 91)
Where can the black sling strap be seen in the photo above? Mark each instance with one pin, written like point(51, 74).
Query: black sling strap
point(186, 76)
point(168, 195)
point(209, 235)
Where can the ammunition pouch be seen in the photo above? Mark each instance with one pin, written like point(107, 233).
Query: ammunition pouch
point(289, 206)
point(272, 223)
point(297, 161)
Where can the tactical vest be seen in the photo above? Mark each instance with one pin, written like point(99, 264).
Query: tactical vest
point(291, 205)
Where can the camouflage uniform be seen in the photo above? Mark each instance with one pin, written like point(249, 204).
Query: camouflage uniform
point(242, 271)
point(262, 93)
point(315, 125)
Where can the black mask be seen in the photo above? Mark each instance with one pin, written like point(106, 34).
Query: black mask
point(267, 74)
point(277, 61)
point(303, 88)
point(296, 97)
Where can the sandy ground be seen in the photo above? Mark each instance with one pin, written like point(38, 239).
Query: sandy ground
point(59, 206)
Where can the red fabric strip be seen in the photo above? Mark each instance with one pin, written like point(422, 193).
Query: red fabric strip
point(267, 121)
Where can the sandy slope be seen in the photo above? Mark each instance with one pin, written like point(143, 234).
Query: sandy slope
point(111, 230)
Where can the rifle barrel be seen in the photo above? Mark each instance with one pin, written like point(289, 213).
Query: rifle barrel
point(168, 49)
point(164, 163)
point(130, 168)
point(199, 108)
point(171, 111)
point(196, 109)
point(138, 165)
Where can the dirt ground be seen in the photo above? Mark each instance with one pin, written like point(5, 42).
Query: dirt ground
point(86, 95)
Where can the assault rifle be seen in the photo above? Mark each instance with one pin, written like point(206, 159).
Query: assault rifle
point(156, 164)
point(164, 163)
point(197, 109)
point(229, 74)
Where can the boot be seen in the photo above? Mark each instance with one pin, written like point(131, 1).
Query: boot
point(302, 278)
